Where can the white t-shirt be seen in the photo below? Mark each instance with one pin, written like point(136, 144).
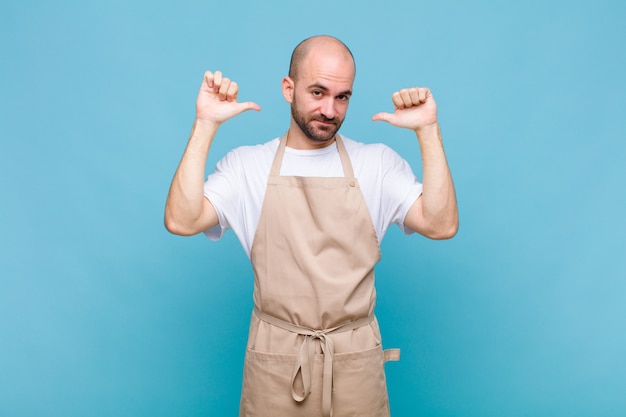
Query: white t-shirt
point(237, 187)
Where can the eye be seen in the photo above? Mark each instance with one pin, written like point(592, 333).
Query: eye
point(316, 93)
point(343, 97)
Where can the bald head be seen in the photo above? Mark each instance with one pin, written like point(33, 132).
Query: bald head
point(317, 44)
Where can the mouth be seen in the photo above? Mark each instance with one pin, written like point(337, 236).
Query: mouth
point(325, 122)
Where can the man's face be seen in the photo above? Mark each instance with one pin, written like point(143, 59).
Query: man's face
point(317, 125)
point(321, 95)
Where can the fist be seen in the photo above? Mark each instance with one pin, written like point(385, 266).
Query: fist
point(217, 99)
point(414, 108)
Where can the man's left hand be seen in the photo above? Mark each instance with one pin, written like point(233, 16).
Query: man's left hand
point(415, 108)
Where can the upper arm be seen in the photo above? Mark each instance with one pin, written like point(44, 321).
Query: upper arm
point(209, 218)
point(414, 218)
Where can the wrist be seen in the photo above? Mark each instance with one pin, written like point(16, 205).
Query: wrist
point(205, 125)
point(428, 132)
point(204, 129)
point(202, 134)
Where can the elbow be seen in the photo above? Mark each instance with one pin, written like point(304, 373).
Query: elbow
point(171, 226)
point(176, 228)
point(444, 232)
point(182, 222)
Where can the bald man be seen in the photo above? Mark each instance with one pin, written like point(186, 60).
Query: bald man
point(310, 208)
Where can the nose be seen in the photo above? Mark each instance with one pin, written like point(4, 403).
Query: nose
point(328, 108)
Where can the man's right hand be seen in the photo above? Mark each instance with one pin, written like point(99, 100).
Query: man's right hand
point(217, 99)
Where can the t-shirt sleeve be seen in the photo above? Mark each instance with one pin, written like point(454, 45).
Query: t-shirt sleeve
point(400, 186)
point(222, 189)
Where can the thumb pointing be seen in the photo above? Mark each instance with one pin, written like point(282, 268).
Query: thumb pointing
point(385, 117)
point(250, 105)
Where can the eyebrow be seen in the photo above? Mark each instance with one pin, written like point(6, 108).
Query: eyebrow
point(324, 88)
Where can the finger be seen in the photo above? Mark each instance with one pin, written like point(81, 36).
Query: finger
point(208, 79)
point(424, 93)
point(217, 81)
point(231, 93)
point(405, 95)
point(397, 100)
point(415, 95)
point(223, 90)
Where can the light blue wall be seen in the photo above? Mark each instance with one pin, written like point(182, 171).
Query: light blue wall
point(103, 313)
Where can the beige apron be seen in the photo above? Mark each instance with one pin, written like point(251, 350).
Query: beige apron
point(314, 347)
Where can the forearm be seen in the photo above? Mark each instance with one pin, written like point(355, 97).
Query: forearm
point(185, 211)
point(439, 206)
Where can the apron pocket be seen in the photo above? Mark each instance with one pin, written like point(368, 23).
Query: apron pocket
point(360, 386)
point(267, 387)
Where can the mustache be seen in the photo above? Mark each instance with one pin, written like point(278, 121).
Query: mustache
point(322, 118)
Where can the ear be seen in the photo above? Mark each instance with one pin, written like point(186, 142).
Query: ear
point(288, 86)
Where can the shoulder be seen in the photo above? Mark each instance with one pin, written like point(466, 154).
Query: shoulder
point(255, 151)
point(249, 155)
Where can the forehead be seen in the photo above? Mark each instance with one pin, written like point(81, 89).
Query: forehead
point(334, 67)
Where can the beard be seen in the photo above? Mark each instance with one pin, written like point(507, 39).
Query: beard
point(316, 134)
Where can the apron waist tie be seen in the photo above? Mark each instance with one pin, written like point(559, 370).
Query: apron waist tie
point(306, 355)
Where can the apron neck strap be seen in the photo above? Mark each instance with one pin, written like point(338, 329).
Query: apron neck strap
point(345, 160)
point(343, 155)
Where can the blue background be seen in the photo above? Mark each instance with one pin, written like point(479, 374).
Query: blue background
point(103, 313)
